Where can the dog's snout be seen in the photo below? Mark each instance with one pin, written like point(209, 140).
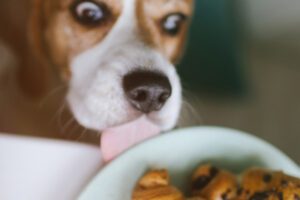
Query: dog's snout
point(147, 91)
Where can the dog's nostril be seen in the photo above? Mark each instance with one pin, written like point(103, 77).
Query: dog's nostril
point(139, 95)
point(164, 97)
point(147, 91)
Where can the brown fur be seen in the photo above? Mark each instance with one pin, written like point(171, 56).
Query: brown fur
point(14, 21)
point(45, 37)
point(66, 38)
point(150, 14)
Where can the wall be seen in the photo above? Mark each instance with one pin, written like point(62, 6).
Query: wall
point(271, 18)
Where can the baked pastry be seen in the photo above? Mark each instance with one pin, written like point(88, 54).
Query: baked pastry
point(264, 184)
point(153, 179)
point(159, 193)
point(155, 185)
point(212, 183)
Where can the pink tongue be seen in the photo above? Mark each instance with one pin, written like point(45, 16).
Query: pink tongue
point(116, 140)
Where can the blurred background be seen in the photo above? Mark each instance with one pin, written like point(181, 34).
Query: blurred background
point(242, 69)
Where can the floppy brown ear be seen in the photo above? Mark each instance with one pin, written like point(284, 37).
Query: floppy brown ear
point(34, 70)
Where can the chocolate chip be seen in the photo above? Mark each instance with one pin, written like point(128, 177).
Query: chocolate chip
point(280, 195)
point(284, 183)
point(213, 171)
point(239, 191)
point(267, 178)
point(260, 196)
point(224, 196)
point(202, 181)
point(296, 197)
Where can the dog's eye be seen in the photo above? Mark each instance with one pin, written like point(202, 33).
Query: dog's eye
point(88, 12)
point(171, 24)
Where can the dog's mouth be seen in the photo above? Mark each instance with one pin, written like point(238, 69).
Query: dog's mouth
point(148, 97)
point(116, 140)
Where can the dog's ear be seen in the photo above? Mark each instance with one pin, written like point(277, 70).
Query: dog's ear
point(34, 69)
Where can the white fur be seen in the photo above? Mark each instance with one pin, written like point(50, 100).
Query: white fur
point(96, 95)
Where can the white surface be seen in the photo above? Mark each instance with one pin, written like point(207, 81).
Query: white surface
point(180, 152)
point(40, 169)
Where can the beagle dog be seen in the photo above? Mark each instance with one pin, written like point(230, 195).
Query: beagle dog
point(114, 59)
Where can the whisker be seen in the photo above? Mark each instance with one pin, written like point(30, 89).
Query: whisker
point(189, 114)
point(82, 134)
point(67, 125)
point(193, 111)
point(50, 94)
point(73, 130)
point(58, 114)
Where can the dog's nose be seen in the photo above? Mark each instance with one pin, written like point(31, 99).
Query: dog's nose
point(147, 91)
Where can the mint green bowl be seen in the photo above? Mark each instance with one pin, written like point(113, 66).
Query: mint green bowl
point(180, 152)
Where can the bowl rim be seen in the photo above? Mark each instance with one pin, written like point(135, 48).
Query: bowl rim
point(202, 129)
point(192, 130)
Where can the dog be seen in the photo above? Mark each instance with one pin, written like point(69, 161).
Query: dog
point(114, 60)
